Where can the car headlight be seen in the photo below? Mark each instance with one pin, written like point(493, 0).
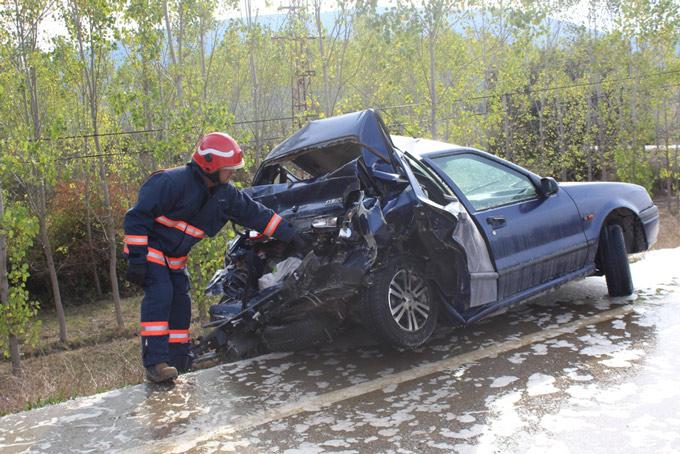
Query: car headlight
point(325, 223)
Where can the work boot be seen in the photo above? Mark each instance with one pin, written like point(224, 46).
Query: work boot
point(160, 373)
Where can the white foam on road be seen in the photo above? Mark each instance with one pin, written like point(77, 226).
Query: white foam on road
point(195, 436)
point(540, 384)
point(500, 382)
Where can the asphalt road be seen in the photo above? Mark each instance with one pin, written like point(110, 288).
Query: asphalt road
point(573, 371)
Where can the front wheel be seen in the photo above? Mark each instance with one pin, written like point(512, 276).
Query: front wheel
point(615, 261)
point(399, 306)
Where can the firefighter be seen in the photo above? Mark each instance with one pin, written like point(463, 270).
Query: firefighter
point(175, 209)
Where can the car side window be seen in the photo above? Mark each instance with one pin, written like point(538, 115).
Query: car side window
point(485, 183)
point(435, 189)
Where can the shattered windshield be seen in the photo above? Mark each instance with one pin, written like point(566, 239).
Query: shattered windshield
point(318, 162)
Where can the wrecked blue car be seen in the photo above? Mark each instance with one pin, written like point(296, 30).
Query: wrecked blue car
point(407, 232)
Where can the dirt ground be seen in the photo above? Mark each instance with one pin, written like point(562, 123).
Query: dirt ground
point(669, 232)
point(100, 357)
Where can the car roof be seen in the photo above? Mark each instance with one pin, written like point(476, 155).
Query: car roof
point(421, 147)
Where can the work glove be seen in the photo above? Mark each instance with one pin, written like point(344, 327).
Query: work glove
point(300, 244)
point(136, 273)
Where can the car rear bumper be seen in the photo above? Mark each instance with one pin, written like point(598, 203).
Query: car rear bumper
point(650, 222)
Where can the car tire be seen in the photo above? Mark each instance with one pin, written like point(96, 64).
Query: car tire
point(615, 261)
point(399, 307)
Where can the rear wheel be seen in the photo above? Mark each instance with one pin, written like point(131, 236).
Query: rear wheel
point(614, 259)
point(399, 306)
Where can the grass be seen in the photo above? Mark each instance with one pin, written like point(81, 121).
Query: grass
point(87, 324)
point(99, 357)
point(63, 375)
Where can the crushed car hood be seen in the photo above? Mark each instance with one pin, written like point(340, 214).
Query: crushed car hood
point(324, 195)
point(318, 146)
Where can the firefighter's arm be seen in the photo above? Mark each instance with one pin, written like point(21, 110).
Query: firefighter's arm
point(155, 196)
point(237, 206)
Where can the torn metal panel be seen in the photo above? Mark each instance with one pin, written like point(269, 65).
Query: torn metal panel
point(483, 277)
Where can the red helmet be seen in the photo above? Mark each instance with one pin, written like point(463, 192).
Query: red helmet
point(216, 151)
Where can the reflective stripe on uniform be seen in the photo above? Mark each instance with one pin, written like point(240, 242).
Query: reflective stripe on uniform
point(272, 225)
point(178, 336)
point(137, 240)
point(174, 263)
point(155, 256)
point(154, 329)
point(177, 263)
point(181, 225)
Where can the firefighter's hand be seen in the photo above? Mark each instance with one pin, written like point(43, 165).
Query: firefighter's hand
point(300, 244)
point(136, 272)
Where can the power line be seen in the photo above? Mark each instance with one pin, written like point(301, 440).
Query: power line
point(127, 153)
point(146, 131)
point(101, 134)
point(380, 108)
point(566, 87)
point(538, 90)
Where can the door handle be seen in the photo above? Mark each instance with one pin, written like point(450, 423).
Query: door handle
point(496, 221)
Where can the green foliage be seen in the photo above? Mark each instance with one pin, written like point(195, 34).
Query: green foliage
point(17, 317)
point(206, 258)
point(559, 98)
point(633, 167)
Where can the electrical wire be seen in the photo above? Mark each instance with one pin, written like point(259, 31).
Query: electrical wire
point(379, 108)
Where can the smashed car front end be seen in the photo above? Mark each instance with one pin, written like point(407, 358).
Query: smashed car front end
point(345, 187)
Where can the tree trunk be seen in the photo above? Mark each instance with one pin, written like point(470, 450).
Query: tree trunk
point(146, 88)
point(257, 127)
point(180, 54)
point(432, 87)
point(14, 355)
point(52, 273)
point(560, 139)
point(90, 77)
point(677, 162)
point(90, 239)
point(197, 281)
point(587, 145)
point(541, 133)
point(323, 58)
point(601, 147)
point(110, 229)
point(173, 56)
point(589, 149)
point(669, 164)
point(507, 132)
point(634, 116)
point(204, 72)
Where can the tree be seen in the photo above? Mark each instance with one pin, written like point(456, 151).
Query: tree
point(91, 27)
point(33, 162)
point(17, 311)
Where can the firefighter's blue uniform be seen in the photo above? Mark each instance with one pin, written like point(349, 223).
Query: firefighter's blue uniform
point(175, 210)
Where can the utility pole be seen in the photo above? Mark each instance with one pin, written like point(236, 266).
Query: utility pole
point(301, 95)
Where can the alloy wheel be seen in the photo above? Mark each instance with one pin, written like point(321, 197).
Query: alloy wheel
point(408, 300)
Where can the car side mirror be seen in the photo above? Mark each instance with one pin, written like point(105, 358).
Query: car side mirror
point(548, 186)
